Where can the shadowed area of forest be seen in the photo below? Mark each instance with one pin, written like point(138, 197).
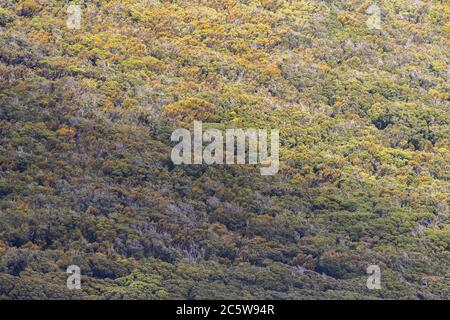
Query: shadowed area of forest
point(86, 176)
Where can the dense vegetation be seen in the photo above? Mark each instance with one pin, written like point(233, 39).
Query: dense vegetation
point(85, 171)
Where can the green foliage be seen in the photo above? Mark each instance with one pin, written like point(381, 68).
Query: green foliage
point(85, 171)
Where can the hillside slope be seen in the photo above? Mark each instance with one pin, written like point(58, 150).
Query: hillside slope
point(85, 171)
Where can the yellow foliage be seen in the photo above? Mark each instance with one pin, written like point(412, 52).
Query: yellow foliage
point(30, 246)
point(66, 132)
point(324, 67)
point(130, 103)
point(3, 246)
point(190, 110)
point(27, 7)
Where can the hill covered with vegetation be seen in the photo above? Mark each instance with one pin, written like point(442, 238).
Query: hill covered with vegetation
point(85, 171)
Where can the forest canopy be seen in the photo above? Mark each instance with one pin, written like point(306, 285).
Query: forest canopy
point(86, 177)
